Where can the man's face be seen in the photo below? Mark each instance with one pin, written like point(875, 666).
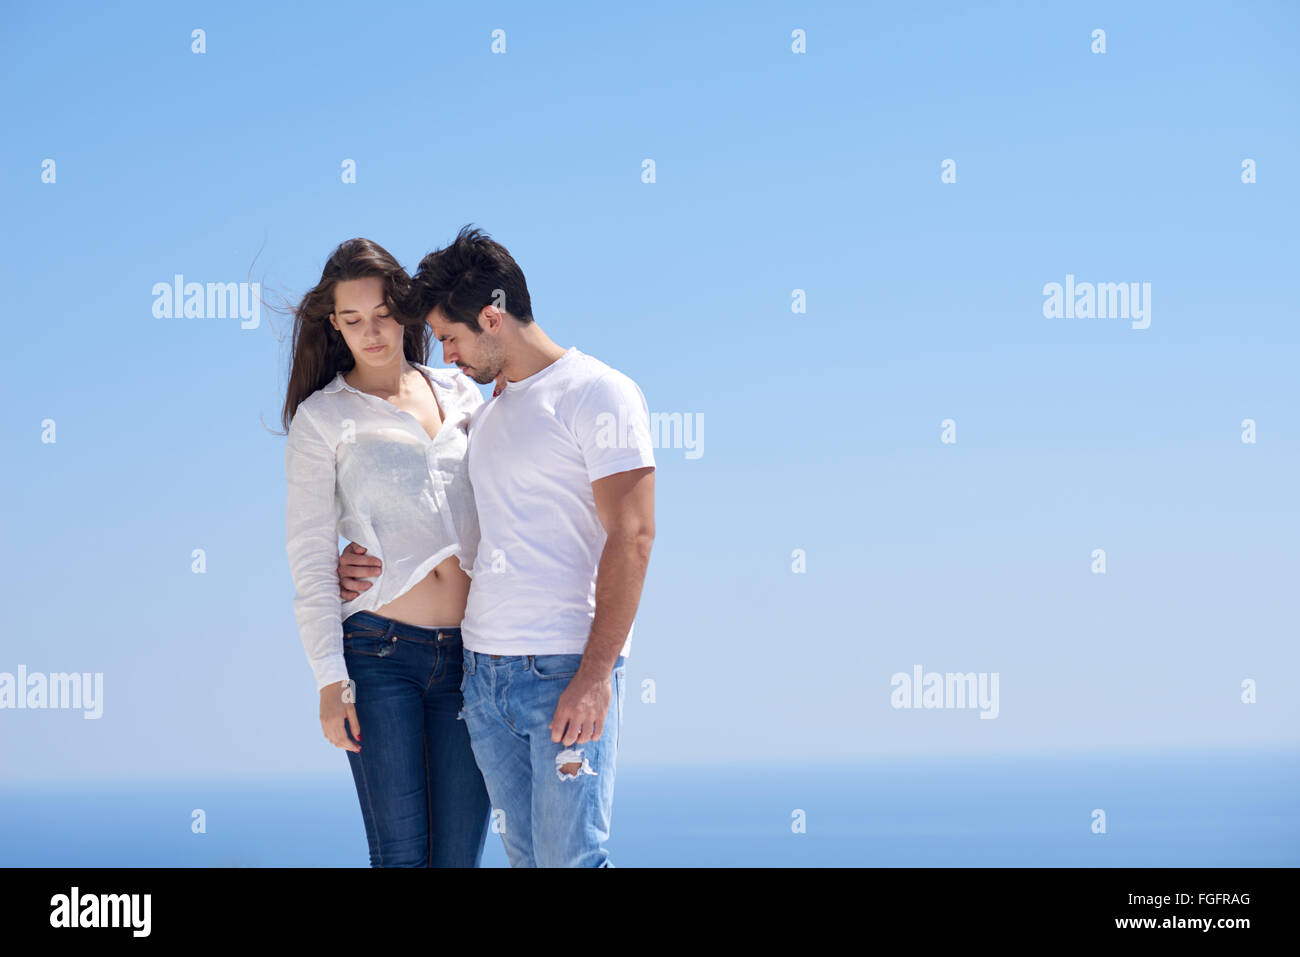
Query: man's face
point(479, 355)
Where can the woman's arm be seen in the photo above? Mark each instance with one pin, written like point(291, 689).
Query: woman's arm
point(311, 541)
point(311, 527)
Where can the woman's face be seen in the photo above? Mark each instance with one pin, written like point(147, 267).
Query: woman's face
point(366, 322)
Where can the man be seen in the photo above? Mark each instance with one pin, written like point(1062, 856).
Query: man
point(562, 468)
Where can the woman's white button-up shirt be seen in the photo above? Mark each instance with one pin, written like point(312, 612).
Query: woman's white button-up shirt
point(360, 468)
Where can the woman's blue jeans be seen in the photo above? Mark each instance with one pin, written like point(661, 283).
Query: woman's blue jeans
point(422, 795)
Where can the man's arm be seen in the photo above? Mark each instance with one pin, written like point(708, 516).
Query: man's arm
point(625, 504)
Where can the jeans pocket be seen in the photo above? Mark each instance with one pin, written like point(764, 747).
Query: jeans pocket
point(556, 667)
point(464, 673)
point(369, 644)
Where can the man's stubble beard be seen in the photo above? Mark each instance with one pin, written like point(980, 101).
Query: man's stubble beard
point(491, 368)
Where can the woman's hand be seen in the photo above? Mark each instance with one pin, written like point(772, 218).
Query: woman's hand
point(336, 707)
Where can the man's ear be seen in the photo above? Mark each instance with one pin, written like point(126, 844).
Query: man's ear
point(490, 317)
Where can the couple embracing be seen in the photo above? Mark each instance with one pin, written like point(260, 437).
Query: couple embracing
point(475, 629)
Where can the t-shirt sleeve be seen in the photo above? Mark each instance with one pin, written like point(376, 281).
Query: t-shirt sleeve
point(612, 424)
point(465, 519)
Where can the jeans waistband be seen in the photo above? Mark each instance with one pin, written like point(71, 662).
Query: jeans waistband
point(473, 659)
point(372, 625)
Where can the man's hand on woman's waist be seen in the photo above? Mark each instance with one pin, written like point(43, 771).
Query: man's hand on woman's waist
point(355, 566)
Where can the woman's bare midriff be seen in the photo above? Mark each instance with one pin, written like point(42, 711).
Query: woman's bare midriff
point(436, 601)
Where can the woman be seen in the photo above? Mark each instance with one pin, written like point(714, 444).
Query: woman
point(376, 453)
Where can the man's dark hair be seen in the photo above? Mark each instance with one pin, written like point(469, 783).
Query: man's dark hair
point(465, 276)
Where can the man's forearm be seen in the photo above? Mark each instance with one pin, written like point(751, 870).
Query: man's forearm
point(619, 579)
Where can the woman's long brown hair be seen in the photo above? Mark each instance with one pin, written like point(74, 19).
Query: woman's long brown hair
point(318, 350)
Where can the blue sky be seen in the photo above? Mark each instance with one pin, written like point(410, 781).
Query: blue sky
point(774, 172)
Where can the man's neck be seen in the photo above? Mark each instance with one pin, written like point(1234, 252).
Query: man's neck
point(533, 351)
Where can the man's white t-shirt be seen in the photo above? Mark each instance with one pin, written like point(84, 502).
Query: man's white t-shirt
point(534, 451)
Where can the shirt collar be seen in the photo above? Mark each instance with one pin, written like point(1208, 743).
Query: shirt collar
point(521, 384)
point(438, 376)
